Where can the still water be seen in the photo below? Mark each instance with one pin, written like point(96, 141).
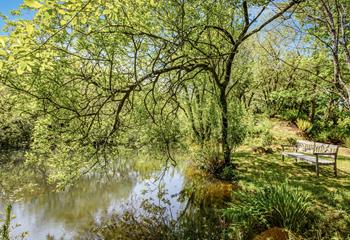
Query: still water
point(64, 214)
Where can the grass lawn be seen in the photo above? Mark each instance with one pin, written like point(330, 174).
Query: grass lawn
point(330, 195)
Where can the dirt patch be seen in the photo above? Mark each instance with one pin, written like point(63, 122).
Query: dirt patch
point(344, 151)
point(274, 233)
point(283, 130)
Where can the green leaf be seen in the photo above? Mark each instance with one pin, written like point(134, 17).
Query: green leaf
point(61, 11)
point(32, 4)
point(3, 52)
point(30, 28)
point(21, 68)
point(63, 22)
point(106, 11)
point(2, 41)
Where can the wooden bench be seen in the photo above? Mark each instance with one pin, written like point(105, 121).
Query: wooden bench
point(313, 153)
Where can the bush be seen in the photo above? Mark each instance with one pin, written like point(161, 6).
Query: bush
point(237, 130)
point(228, 172)
point(267, 139)
point(291, 115)
point(347, 142)
point(273, 206)
point(322, 136)
point(304, 125)
point(292, 141)
point(258, 128)
point(344, 124)
point(210, 160)
point(336, 135)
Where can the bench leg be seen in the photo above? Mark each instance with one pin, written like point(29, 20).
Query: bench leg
point(317, 170)
point(283, 158)
point(335, 170)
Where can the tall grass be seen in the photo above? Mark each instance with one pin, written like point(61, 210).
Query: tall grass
point(5, 228)
point(272, 206)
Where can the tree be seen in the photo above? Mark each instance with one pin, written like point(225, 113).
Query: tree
point(327, 22)
point(87, 61)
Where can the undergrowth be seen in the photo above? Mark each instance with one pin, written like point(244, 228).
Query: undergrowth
point(272, 206)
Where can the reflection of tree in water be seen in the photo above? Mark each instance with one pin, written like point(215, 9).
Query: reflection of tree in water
point(194, 215)
point(95, 197)
point(77, 206)
point(152, 221)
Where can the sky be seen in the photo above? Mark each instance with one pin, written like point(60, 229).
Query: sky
point(6, 6)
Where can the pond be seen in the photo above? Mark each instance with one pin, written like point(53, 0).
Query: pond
point(62, 215)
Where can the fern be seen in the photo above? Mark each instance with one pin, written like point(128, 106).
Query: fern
point(304, 125)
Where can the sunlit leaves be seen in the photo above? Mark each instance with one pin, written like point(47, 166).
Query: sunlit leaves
point(89, 63)
point(3, 41)
point(21, 68)
point(32, 4)
point(30, 28)
point(3, 52)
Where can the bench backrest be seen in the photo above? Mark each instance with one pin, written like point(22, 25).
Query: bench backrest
point(315, 147)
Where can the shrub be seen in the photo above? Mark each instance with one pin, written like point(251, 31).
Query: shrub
point(322, 136)
point(211, 161)
point(292, 141)
point(15, 133)
point(267, 139)
point(228, 172)
point(209, 158)
point(237, 130)
point(273, 206)
point(336, 135)
point(291, 115)
point(304, 125)
point(347, 142)
point(258, 129)
point(344, 124)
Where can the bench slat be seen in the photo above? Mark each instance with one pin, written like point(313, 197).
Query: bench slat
point(307, 158)
point(308, 151)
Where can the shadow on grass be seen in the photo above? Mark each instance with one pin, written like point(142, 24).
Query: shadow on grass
point(259, 170)
point(329, 194)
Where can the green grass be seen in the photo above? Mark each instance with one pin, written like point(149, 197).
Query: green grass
point(272, 206)
point(330, 195)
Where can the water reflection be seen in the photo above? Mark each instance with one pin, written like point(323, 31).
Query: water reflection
point(63, 214)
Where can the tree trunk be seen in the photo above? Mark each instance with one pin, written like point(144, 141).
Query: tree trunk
point(226, 149)
point(328, 116)
point(312, 110)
